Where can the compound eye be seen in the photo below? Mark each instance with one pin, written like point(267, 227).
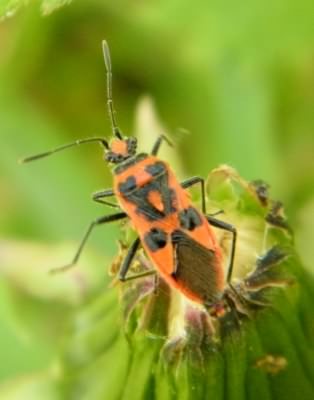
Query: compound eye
point(109, 156)
point(113, 157)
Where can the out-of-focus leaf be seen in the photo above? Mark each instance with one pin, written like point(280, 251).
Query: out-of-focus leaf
point(305, 221)
point(9, 7)
point(37, 306)
point(22, 350)
point(26, 265)
point(33, 387)
point(48, 6)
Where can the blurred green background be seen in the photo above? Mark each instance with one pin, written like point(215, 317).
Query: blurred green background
point(231, 83)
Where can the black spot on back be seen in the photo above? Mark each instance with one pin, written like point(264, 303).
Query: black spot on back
point(189, 218)
point(156, 169)
point(128, 185)
point(155, 239)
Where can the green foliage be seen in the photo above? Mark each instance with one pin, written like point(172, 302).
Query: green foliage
point(9, 7)
point(238, 77)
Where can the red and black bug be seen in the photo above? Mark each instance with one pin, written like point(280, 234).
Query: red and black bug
point(178, 238)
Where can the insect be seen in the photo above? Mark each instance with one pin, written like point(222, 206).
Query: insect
point(178, 239)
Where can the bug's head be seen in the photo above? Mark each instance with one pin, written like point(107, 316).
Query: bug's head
point(120, 149)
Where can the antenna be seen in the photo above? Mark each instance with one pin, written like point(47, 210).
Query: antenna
point(102, 141)
point(115, 129)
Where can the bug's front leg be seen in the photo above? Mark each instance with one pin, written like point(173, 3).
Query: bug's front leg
point(126, 264)
point(99, 197)
point(158, 143)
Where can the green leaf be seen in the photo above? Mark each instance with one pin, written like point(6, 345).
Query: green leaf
point(9, 7)
point(35, 306)
point(33, 387)
point(48, 6)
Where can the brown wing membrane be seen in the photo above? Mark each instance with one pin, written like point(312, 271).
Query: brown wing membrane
point(195, 267)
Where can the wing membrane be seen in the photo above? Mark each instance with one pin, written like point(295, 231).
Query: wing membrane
point(196, 267)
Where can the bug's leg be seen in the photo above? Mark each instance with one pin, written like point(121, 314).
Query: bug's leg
point(193, 181)
point(98, 221)
point(230, 228)
point(99, 196)
point(139, 275)
point(158, 142)
point(216, 213)
point(128, 259)
point(126, 264)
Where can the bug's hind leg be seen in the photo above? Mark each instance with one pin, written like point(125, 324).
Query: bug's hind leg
point(98, 221)
point(230, 228)
point(126, 264)
point(233, 293)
